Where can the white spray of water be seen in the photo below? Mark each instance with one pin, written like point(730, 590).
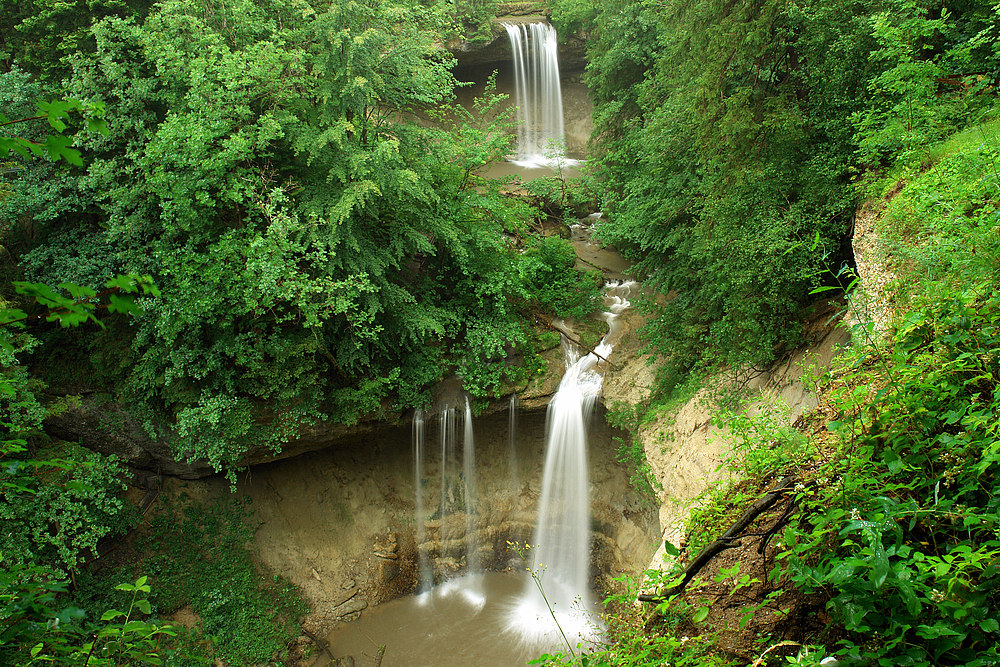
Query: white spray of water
point(425, 575)
point(561, 543)
point(472, 588)
point(537, 94)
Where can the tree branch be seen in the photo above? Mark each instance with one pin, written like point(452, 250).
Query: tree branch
point(572, 337)
point(728, 540)
point(22, 120)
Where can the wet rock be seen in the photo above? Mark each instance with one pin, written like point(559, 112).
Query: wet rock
point(105, 427)
point(344, 597)
point(387, 571)
point(387, 546)
point(494, 48)
point(353, 606)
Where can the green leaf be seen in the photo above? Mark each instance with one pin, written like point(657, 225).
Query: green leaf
point(77, 291)
point(670, 549)
point(58, 148)
point(112, 614)
point(700, 615)
point(123, 304)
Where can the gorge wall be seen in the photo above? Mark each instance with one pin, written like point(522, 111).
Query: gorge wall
point(685, 447)
point(339, 523)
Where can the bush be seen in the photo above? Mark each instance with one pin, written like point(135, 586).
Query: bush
point(547, 272)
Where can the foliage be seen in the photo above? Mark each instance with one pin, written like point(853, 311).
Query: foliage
point(546, 269)
point(908, 536)
point(56, 506)
point(944, 217)
point(897, 522)
point(628, 643)
point(69, 311)
point(58, 501)
point(56, 146)
point(909, 532)
point(197, 555)
point(728, 135)
point(318, 250)
point(474, 16)
point(37, 631)
point(631, 452)
point(570, 16)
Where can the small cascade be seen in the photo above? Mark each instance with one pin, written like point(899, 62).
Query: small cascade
point(561, 542)
point(446, 424)
point(537, 94)
point(472, 567)
point(457, 499)
point(425, 576)
point(512, 466)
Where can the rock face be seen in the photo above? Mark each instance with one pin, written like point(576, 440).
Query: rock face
point(875, 297)
point(495, 48)
point(340, 524)
point(105, 427)
point(683, 447)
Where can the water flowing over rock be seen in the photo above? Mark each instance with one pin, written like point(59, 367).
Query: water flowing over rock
point(425, 577)
point(512, 466)
point(561, 542)
point(538, 94)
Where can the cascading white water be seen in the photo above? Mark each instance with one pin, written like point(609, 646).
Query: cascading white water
point(457, 495)
point(512, 467)
point(446, 422)
point(537, 94)
point(425, 576)
point(472, 567)
point(561, 543)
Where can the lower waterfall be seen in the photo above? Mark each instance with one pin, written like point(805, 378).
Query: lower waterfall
point(558, 602)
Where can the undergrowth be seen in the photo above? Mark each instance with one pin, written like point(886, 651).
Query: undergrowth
point(196, 555)
point(898, 522)
point(895, 533)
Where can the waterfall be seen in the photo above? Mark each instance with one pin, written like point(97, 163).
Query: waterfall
point(512, 467)
point(561, 542)
point(457, 495)
point(537, 94)
point(446, 422)
point(424, 573)
point(469, 469)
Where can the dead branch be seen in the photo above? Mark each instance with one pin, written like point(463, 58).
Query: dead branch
point(728, 540)
point(379, 655)
point(322, 644)
point(571, 336)
point(782, 520)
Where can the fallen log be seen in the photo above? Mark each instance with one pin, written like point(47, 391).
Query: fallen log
point(322, 644)
point(566, 332)
point(728, 540)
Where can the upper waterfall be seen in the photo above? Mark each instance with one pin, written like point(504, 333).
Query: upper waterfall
point(537, 94)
